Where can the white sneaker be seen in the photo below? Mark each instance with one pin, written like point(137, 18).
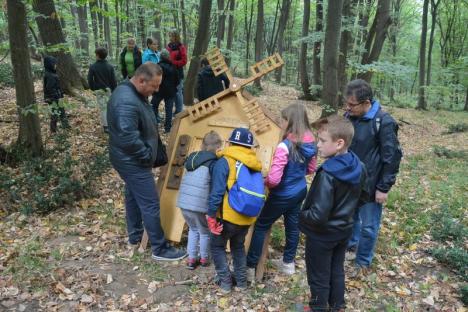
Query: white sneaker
point(250, 275)
point(286, 268)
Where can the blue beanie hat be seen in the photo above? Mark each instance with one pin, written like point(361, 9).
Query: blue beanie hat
point(242, 136)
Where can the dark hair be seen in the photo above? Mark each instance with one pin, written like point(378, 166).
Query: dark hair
point(204, 62)
point(338, 127)
point(150, 41)
point(101, 53)
point(297, 125)
point(148, 70)
point(176, 34)
point(360, 89)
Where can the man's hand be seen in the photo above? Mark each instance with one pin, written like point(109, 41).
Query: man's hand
point(380, 197)
point(215, 227)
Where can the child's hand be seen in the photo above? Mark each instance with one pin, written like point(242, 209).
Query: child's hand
point(215, 227)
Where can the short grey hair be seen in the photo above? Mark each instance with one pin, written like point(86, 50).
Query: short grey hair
point(148, 71)
point(131, 40)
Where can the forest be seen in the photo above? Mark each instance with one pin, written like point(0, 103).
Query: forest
point(62, 206)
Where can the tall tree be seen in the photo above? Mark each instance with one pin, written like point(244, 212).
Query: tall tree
point(230, 34)
point(94, 23)
point(285, 7)
point(317, 74)
point(184, 22)
point(55, 43)
point(107, 28)
point(422, 104)
point(303, 53)
point(330, 100)
point(82, 11)
point(345, 42)
point(200, 47)
point(29, 128)
point(259, 37)
point(118, 28)
point(434, 8)
point(141, 25)
point(248, 33)
point(376, 37)
point(221, 23)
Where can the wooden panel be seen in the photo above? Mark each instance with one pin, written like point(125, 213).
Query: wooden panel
point(177, 164)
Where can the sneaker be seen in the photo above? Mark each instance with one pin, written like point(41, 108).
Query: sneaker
point(358, 272)
point(192, 263)
point(350, 255)
point(283, 267)
point(250, 275)
point(224, 287)
point(205, 262)
point(170, 254)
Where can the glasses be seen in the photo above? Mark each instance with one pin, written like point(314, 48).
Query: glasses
point(352, 105)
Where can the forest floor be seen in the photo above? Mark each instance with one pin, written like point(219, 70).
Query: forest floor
point(77, 259)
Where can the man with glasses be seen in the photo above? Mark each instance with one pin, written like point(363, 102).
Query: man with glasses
point(376, 143)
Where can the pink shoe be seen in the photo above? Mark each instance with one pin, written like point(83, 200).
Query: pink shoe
point(204, 262)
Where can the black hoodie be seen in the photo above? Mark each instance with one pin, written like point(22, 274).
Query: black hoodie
point(209, 84)
point(52, 90)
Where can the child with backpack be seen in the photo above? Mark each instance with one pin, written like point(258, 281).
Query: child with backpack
point(236, 197)
point(193, 198)
point(294, 158)
point(53, 93)
point(326, 218)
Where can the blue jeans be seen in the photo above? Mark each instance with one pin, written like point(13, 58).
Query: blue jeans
point(275, 207)
point(142, 207)
point(236, 236)
point(179, 100)
point(365, 232)
point(198, 235)
point(168, 105)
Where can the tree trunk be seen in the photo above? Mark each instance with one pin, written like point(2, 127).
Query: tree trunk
point(221, 23)
point(248, 27)
point(330, 102)
point(200, 47)
point(376, 37)
point(83, 24)
point(157, 25)
point(230, 34)
point(286, 5)
point(434, 6)
point(466, 100)
point(128, 24)
point(117, 27)
point(29, 128)
point(184, 22)
point(317, 81)
point(54, 41)
point(100, 20)
point(422, 104)
point(274, 33)
point(76, 34)
point(141, 26)
point(259, 38)
point(94, 23)
point(303, 54)
point(107, 28)
point(344, 46)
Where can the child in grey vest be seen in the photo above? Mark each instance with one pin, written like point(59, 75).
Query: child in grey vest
point(193, 198)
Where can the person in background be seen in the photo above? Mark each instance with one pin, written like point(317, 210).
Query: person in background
point(151, 53)
point(130, 59)
point(178, 53)
point(207, 83)
point(101, 79)
point(53, 93)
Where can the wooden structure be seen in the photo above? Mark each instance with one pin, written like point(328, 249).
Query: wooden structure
point(222, 112)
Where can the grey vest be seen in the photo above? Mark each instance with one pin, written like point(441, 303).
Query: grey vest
point(194, 190)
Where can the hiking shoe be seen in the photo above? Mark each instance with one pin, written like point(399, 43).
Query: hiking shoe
point(204, 262)
point(250, 275)
point(283, 267)
point(192, 263)
point(359, 272)
point(170, 254)
point(224, 287)
point(350, 255)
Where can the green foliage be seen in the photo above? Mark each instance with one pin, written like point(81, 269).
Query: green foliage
point(464, 294)
point(6, 75)
point(447, 153)
point(57, 180)
point(277, 236)
point(458, 127)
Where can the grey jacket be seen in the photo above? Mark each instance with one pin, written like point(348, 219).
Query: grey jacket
point(133, 137)
point(195, 185)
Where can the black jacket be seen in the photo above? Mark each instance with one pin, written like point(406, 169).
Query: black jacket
point(377, 146)
point(328, 210)
point(170, 79)
point(208, 84)
point(51, 82)
point(101, 75)
point(137, 60)
point(133, 137)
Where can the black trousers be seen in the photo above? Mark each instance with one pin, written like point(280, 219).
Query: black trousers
point(325, 273)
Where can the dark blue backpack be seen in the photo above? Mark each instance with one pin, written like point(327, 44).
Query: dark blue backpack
point(247, 194)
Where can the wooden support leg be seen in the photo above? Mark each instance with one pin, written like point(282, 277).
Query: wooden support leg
point(143, 243)
point(263, 258)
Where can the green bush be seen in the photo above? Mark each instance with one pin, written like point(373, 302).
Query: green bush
point(458, 127)
point(464, 294)
point(448, 153)
point(448, 228)
point(454, 257)
point(6, 75)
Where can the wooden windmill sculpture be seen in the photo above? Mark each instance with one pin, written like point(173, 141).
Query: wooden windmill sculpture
point(223, 112)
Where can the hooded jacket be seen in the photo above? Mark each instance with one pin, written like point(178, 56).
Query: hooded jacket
point(170, 79)
point(208, 84)
point(52, 89)
point(151, 56)
point(379, 149)
point(178, 55)
point(224, 176)
point(195, 185)
point(286, 177)
point(133, 138)
point(136, 60)
point(101, 75)
point(337, 190)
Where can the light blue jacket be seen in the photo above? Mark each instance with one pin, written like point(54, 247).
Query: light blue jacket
point(150, 56)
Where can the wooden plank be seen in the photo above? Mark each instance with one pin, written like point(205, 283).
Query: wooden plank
point(260, 271)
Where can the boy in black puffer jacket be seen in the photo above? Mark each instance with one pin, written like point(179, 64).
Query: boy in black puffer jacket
point(53, 93)
point(207, 83)
point(327, 214)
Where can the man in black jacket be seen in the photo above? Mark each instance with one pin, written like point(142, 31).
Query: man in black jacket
point(133, 144)
point(207, 83)
point(101, 79)
point(376, 143)
point(327, 215)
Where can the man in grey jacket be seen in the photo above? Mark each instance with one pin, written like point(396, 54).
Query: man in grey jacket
point(133, 144)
